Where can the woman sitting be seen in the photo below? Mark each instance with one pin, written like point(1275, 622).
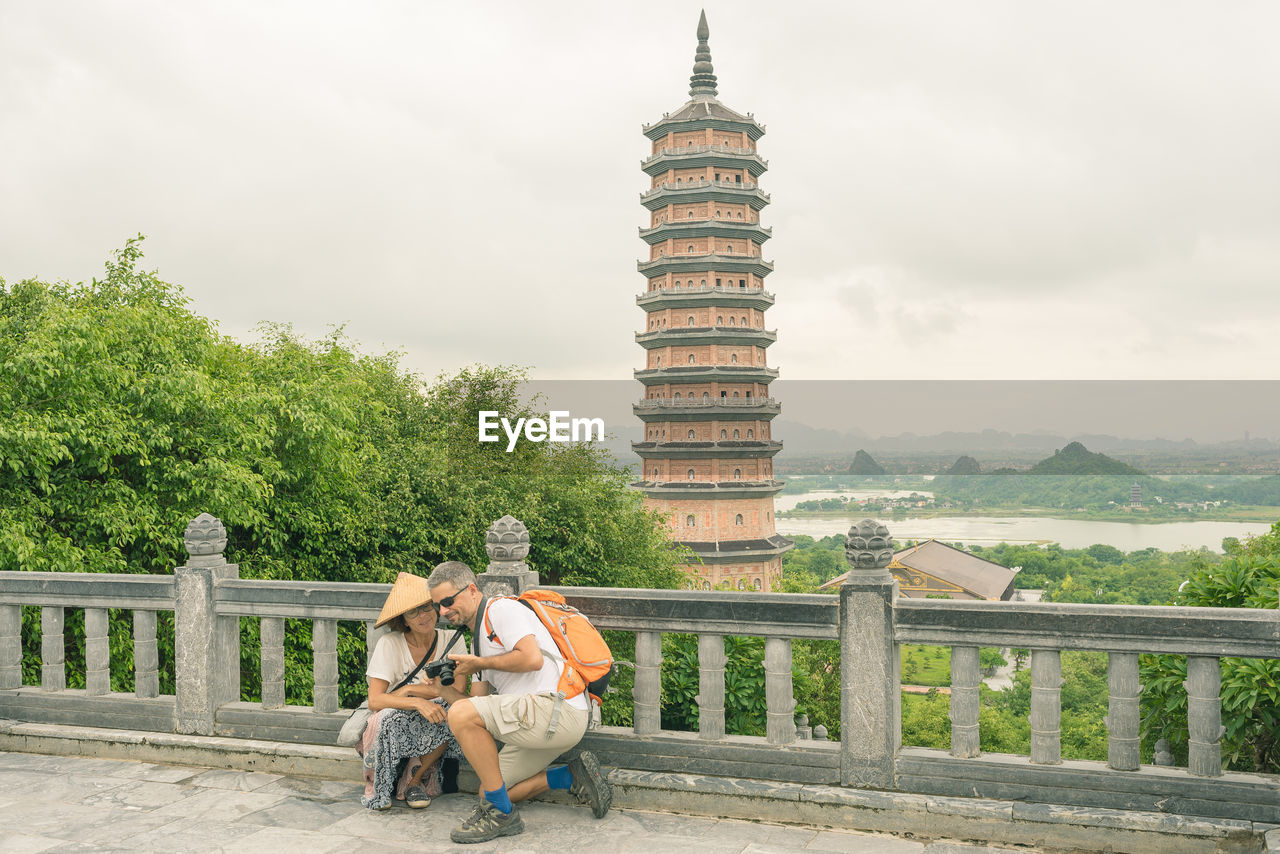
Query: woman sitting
point(406, 736)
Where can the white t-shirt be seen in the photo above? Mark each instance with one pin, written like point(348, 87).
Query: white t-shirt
point(392, 660)
point(511, 621)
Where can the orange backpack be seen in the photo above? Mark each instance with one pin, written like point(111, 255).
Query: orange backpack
point(588, 663)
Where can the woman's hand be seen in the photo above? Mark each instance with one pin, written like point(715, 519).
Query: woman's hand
point(428, 690)
point(433, 712)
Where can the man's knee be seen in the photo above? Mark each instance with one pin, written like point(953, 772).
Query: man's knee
point(463, 714)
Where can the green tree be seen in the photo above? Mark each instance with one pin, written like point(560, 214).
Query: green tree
point(127, 415)
point(1249, 578)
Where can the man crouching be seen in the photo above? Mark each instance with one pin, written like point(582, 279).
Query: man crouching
point(515, 659)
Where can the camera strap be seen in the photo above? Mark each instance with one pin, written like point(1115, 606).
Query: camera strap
point(414, 672)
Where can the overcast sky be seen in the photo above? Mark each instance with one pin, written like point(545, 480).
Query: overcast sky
point(975, 190)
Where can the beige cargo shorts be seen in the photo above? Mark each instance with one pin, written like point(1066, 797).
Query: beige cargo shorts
point(520, 722)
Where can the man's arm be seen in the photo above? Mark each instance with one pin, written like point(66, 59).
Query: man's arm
point(522, 658)
point(451, 694)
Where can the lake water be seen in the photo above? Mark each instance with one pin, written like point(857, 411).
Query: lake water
point(988, 530)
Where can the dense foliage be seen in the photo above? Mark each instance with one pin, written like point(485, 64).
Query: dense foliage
point(1248, 578)
point(127, 415)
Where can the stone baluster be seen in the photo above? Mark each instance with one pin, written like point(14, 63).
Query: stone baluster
point(966, 675)
point(97, 652)
point(804, 732)
point(711, 686)
point(371, 636)
point(870, 702)
point(648, 688)
point(780, 701)
point(146, 656)
point(1123, 711)
point(206, 646)
point(324, 648)
point(507, 545)
point(1204, 716)
point(53, 671)
point(1046, 706)
point(271, 634)
point(10, 646)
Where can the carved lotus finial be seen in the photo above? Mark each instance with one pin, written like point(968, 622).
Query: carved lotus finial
point(507, 540)
point(205, 536)
point(869, 545)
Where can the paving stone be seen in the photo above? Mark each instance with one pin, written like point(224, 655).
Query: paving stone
point(312, 787)
point(243, 781)
point(274, 840)
point(652, 842)
point(22, 760)
point(20, 843)
point(302, 813)
point(145, 807)
point(193, 837)
point(153, 773)
point(101, 826)
point(218, 805)
point(61, 788)
point(138, 795)
point(673, 825)
point(863, 843)
point(753, 832)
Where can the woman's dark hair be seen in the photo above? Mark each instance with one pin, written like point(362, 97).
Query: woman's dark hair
point(399, 624)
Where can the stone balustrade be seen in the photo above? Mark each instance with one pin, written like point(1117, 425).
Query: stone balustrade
point(207, 599)
point(704, 289)
point(667, 187)
point(663, 402)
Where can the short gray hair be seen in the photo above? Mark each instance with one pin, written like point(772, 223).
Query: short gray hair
point(454, 572)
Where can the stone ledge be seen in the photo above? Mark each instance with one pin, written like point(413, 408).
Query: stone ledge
point(922, 817)
point(210, 751)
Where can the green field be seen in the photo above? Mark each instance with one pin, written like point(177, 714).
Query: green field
point(926, 665)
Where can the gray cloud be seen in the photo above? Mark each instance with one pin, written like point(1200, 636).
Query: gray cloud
point(989, 189)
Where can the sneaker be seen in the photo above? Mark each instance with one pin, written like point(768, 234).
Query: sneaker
point(589, 785)
point(416, 798)
point(487, 822)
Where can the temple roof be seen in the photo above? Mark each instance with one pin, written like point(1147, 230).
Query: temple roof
point(978, 576)
point(703, 105)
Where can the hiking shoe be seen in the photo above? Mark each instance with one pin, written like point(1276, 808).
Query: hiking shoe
point(487, 822)
point(416, 798)
point(589, 785)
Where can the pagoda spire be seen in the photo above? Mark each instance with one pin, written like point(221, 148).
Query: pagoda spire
point(703, 81)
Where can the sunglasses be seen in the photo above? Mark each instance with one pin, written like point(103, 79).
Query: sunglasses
point(419, 611)
point(447, 602)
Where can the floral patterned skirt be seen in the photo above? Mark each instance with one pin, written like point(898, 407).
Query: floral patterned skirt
point(392, 736)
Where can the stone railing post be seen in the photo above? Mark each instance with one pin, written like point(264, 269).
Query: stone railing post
point(507, 544)
point(207, 647)
point(870, 703)
point(10, 646)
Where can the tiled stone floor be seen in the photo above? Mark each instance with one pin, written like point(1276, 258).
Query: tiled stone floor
point(58, 803)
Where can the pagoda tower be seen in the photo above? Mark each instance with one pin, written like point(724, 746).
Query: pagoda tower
point(707, 452)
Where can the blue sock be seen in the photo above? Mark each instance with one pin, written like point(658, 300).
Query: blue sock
point(499, 799)
point(559, 777)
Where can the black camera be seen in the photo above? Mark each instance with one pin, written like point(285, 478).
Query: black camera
point(442, 668)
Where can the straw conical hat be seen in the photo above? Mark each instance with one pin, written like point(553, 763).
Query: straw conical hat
point(407, 593)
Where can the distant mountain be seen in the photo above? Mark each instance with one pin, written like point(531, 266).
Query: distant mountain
point(965, 465)
point(1075, 458)
point(864, 464)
